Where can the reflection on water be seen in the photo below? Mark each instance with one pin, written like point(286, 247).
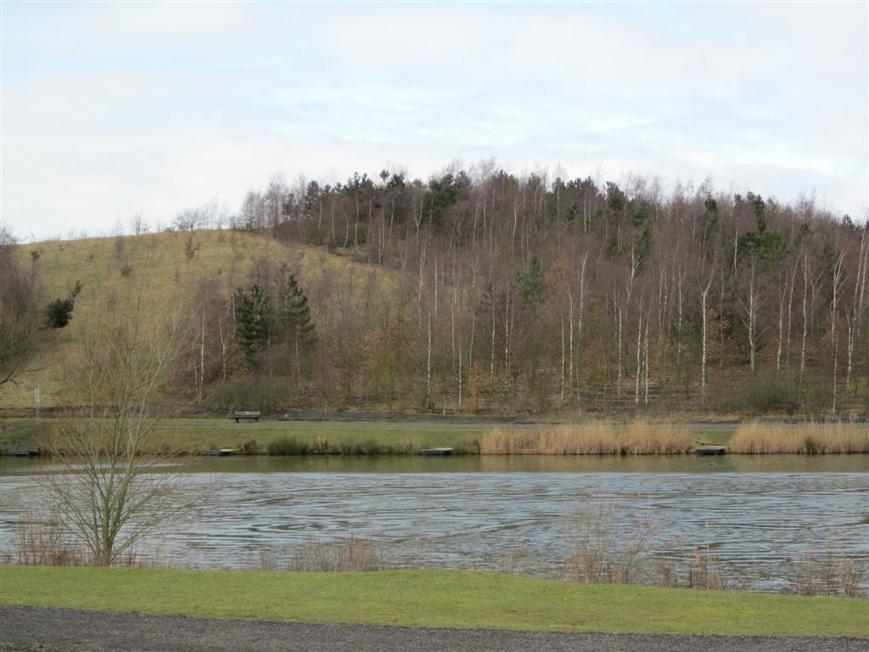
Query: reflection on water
point(756, 515)
point(499, 464)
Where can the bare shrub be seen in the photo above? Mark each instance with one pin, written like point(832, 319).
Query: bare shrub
point(666, 576)
point(347, 554)
point(40, 540)
point(111, 491)
point(602, 553)
point(703, 573)
point(268, 561)
point(826, 574)
point(605, 551)
point(250, 447)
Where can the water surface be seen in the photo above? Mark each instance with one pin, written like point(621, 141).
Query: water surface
point(757, 516)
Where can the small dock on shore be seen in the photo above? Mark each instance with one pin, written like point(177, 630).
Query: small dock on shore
point(710, 450)
point(218, 452)
point(23, 452)
point(436, 452)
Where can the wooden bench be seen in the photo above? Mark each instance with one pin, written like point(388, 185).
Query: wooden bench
point(238, 415)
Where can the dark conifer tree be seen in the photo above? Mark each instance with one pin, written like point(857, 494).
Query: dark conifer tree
point(294, 318)
point(251, 310)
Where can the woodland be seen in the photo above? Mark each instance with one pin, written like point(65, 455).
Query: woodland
point(479, 291)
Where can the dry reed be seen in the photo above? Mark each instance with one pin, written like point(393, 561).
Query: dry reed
point(40, 540)
point(643, 438)
point(347, 554)
point(602, 551)
point(808, 439)
point(638, 438)
point(825, 573)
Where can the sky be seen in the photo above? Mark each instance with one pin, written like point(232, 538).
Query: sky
point(108, 110)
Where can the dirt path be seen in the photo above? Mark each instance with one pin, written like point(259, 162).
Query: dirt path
point(33, 628)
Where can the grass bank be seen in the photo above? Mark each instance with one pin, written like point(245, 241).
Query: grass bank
point(388, 437)
point(412, 598)
point(192, 435)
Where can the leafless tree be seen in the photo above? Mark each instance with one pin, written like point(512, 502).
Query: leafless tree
point(20, 316)
point(138, 224)
point(111, 491)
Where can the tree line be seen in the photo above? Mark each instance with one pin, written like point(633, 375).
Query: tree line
point(534, 294)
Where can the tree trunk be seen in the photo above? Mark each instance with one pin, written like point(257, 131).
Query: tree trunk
point(704, 293)
point(781, 310)
point(570, 335)
point(639, 357)
point(805, 315)
point(428, 361)
point(838, 272)
point(492, 350)
point(563, 360)
point(646, 340)
point(619, 348)
point(201, 356)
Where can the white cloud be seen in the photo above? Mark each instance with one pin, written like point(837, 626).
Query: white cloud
point(111, 109)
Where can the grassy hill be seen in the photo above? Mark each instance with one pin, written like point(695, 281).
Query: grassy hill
point(170, 265)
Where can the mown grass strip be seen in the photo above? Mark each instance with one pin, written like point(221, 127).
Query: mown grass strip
point(414, 598)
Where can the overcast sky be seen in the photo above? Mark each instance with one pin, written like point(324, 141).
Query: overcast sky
point(113, 109)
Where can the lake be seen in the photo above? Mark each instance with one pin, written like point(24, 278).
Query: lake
point(758, 517)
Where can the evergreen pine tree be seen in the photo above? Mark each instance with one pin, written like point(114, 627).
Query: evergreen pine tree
point(294, 316)
point(251, 320)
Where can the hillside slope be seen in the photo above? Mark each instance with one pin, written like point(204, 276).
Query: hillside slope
point(170, 265)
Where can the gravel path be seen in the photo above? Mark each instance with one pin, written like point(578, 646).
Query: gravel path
point(33, 628)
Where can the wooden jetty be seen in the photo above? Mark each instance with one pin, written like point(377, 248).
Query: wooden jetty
point(433, 452)
point(24, 452)
point(710, 450)
point(218, 452)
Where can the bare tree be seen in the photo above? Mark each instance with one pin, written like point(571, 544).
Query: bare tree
point(705, 276)
point(20, 315)
point(138, 224)
point(110, 493)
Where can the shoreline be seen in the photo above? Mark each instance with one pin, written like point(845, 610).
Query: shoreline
point(195, 436)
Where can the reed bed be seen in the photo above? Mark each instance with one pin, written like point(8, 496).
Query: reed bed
point(643, 438)
point(805, 439)
point(637, 438)
point(350, 553)
point(40, 540)
point(345, 554)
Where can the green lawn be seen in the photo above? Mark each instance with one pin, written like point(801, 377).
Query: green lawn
point(193, 435)
point(225, 433)
point(18, 433)
point(460, 599)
